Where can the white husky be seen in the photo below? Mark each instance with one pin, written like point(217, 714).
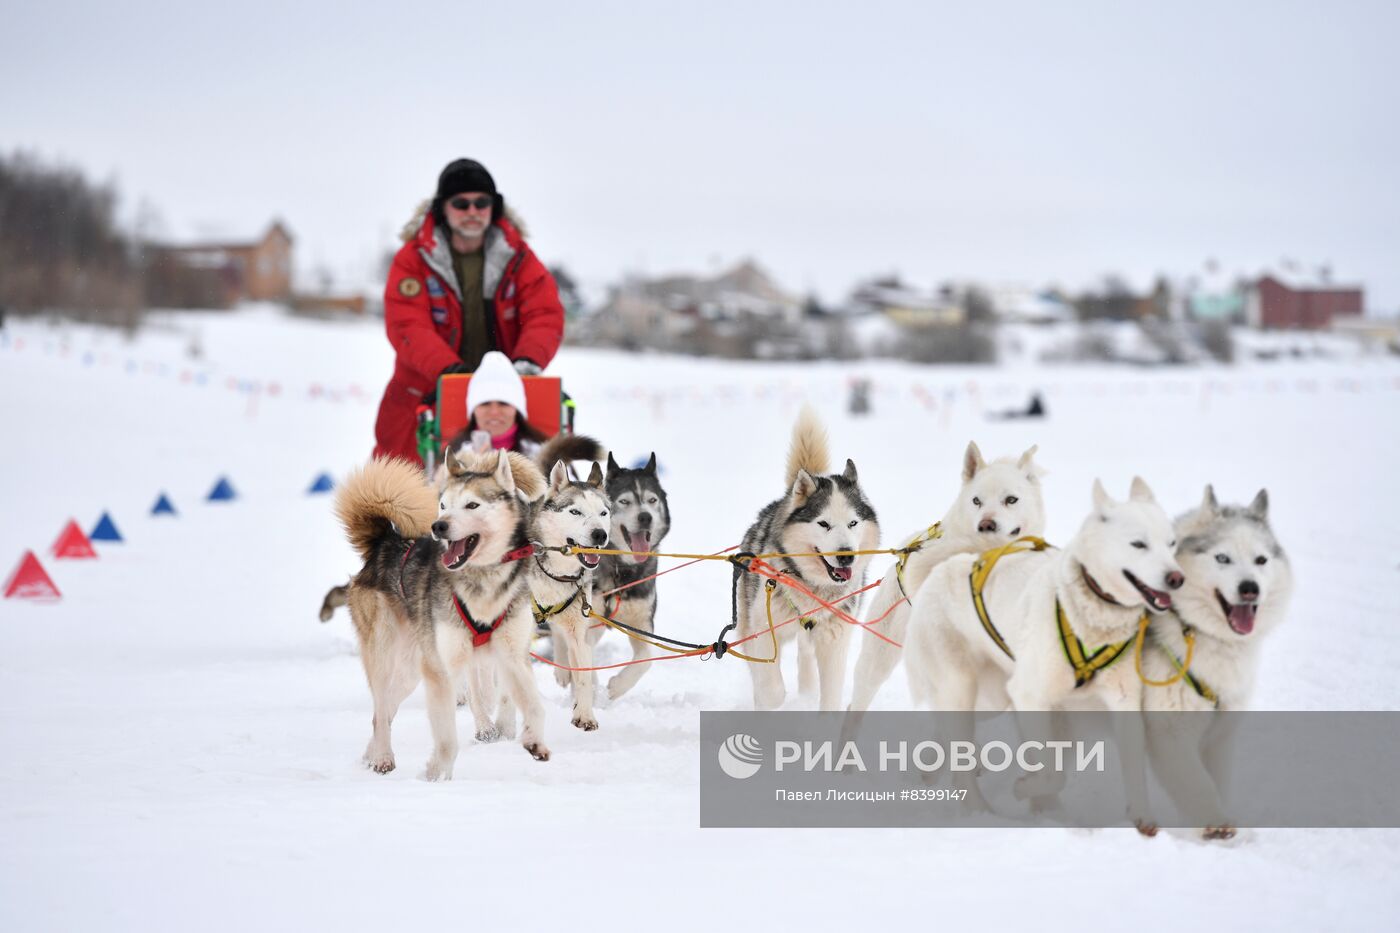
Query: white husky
point(998, 503)
point(818, 515)
point(1042, 608)
point(1238, 585)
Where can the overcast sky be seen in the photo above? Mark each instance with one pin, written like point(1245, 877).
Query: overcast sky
point(1029, 143)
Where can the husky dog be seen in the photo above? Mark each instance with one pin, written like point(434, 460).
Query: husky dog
point(818, 514)
point(433, 606)
point(1042, 607)
point(1238, 586)
point(576, 514)
point(566, 447)
point(641, 519)
point(998, 503)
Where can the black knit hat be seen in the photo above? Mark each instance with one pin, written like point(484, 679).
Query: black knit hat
point(466, 175)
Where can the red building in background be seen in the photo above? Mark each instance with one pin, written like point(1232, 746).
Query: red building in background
point(1273, 303)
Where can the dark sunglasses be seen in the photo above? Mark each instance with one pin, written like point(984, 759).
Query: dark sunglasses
point(462, 204)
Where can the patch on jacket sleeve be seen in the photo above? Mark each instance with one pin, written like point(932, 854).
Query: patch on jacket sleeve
point(435, 287)
point(439, 314)
point(409, 287)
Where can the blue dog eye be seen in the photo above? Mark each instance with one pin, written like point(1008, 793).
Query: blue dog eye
point(1222, 558)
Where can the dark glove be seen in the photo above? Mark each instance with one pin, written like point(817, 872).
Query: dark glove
point(430, 397)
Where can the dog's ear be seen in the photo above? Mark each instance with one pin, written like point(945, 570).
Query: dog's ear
point(456, 466)
point(558, 477)
point(612, 464)
point(651, 464)
point(1028, 457)
point(972, 461)
point(1209, 504)
point(1259, 508)
point(503, 475)
point(595, 476)
point(849, 474)
point(1102, 500)
point(1139, 492)
point(802, 488)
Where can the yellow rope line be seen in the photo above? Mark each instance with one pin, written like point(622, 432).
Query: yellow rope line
point(571, 549)
point(1181, 669)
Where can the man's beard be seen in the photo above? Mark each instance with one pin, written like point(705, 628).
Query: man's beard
point(469, 231)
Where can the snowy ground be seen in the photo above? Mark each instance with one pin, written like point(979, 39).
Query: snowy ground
point(182, 736)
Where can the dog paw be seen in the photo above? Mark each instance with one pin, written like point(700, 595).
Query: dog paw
point(505, 728)
point(438, 770)
point(586, 723)
point(1218, 832)
point(1046, 804)
point(380, 764)
point(1145, 828)
point(561, 677)
point(462, 699)
point(616, 687)
point(538, 751)
point(489, 733)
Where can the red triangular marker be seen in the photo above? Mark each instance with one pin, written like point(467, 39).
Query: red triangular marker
point(73, 543)
point(29, 581)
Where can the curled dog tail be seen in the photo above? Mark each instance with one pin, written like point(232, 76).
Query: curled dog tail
point(568, 447)
point(385, 495)
point(808, 451)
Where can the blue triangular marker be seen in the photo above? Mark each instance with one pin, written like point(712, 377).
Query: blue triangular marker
point(322, 484)
point(106, 530)
point(163, 506)
point(222, 491)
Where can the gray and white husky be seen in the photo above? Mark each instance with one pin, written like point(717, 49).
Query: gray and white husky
point(443, 594)
point(819, 514)
point(571, 513)
point(641, 519)
point(998, 503)
point(1120, 564)
point(1238, 586)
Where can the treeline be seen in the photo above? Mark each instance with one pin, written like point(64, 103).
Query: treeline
point(60, 247)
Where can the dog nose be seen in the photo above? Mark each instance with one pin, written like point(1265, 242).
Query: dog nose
point(1175, 579)
point(644, 520)
point(600, 537)
point(987, 524)
point(1249, 591)
point(440, 529)
point(845, 560)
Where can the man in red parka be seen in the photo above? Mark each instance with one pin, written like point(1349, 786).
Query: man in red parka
point(465, 282)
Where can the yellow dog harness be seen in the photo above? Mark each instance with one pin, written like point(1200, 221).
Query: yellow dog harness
point(1085, 664)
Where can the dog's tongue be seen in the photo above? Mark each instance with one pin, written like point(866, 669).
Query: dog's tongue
point(1242, 618)
point(843, 573)
point(454, 552)
point(638, 542)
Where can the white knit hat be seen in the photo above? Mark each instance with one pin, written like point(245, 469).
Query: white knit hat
point(495, 380)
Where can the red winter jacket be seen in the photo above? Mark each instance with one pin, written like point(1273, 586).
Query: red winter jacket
point(423, 317)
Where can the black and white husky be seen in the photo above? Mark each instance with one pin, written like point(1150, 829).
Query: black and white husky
point(571, 513)
point(1238, 586)
point(819, 514)
point(641, 519)
point(443, 595)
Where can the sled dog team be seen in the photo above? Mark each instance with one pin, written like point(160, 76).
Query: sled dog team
point(457, 576)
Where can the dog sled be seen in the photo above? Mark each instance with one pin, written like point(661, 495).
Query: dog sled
point(547, 407)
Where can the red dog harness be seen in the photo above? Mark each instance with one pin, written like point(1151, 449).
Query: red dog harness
point(480, 635)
